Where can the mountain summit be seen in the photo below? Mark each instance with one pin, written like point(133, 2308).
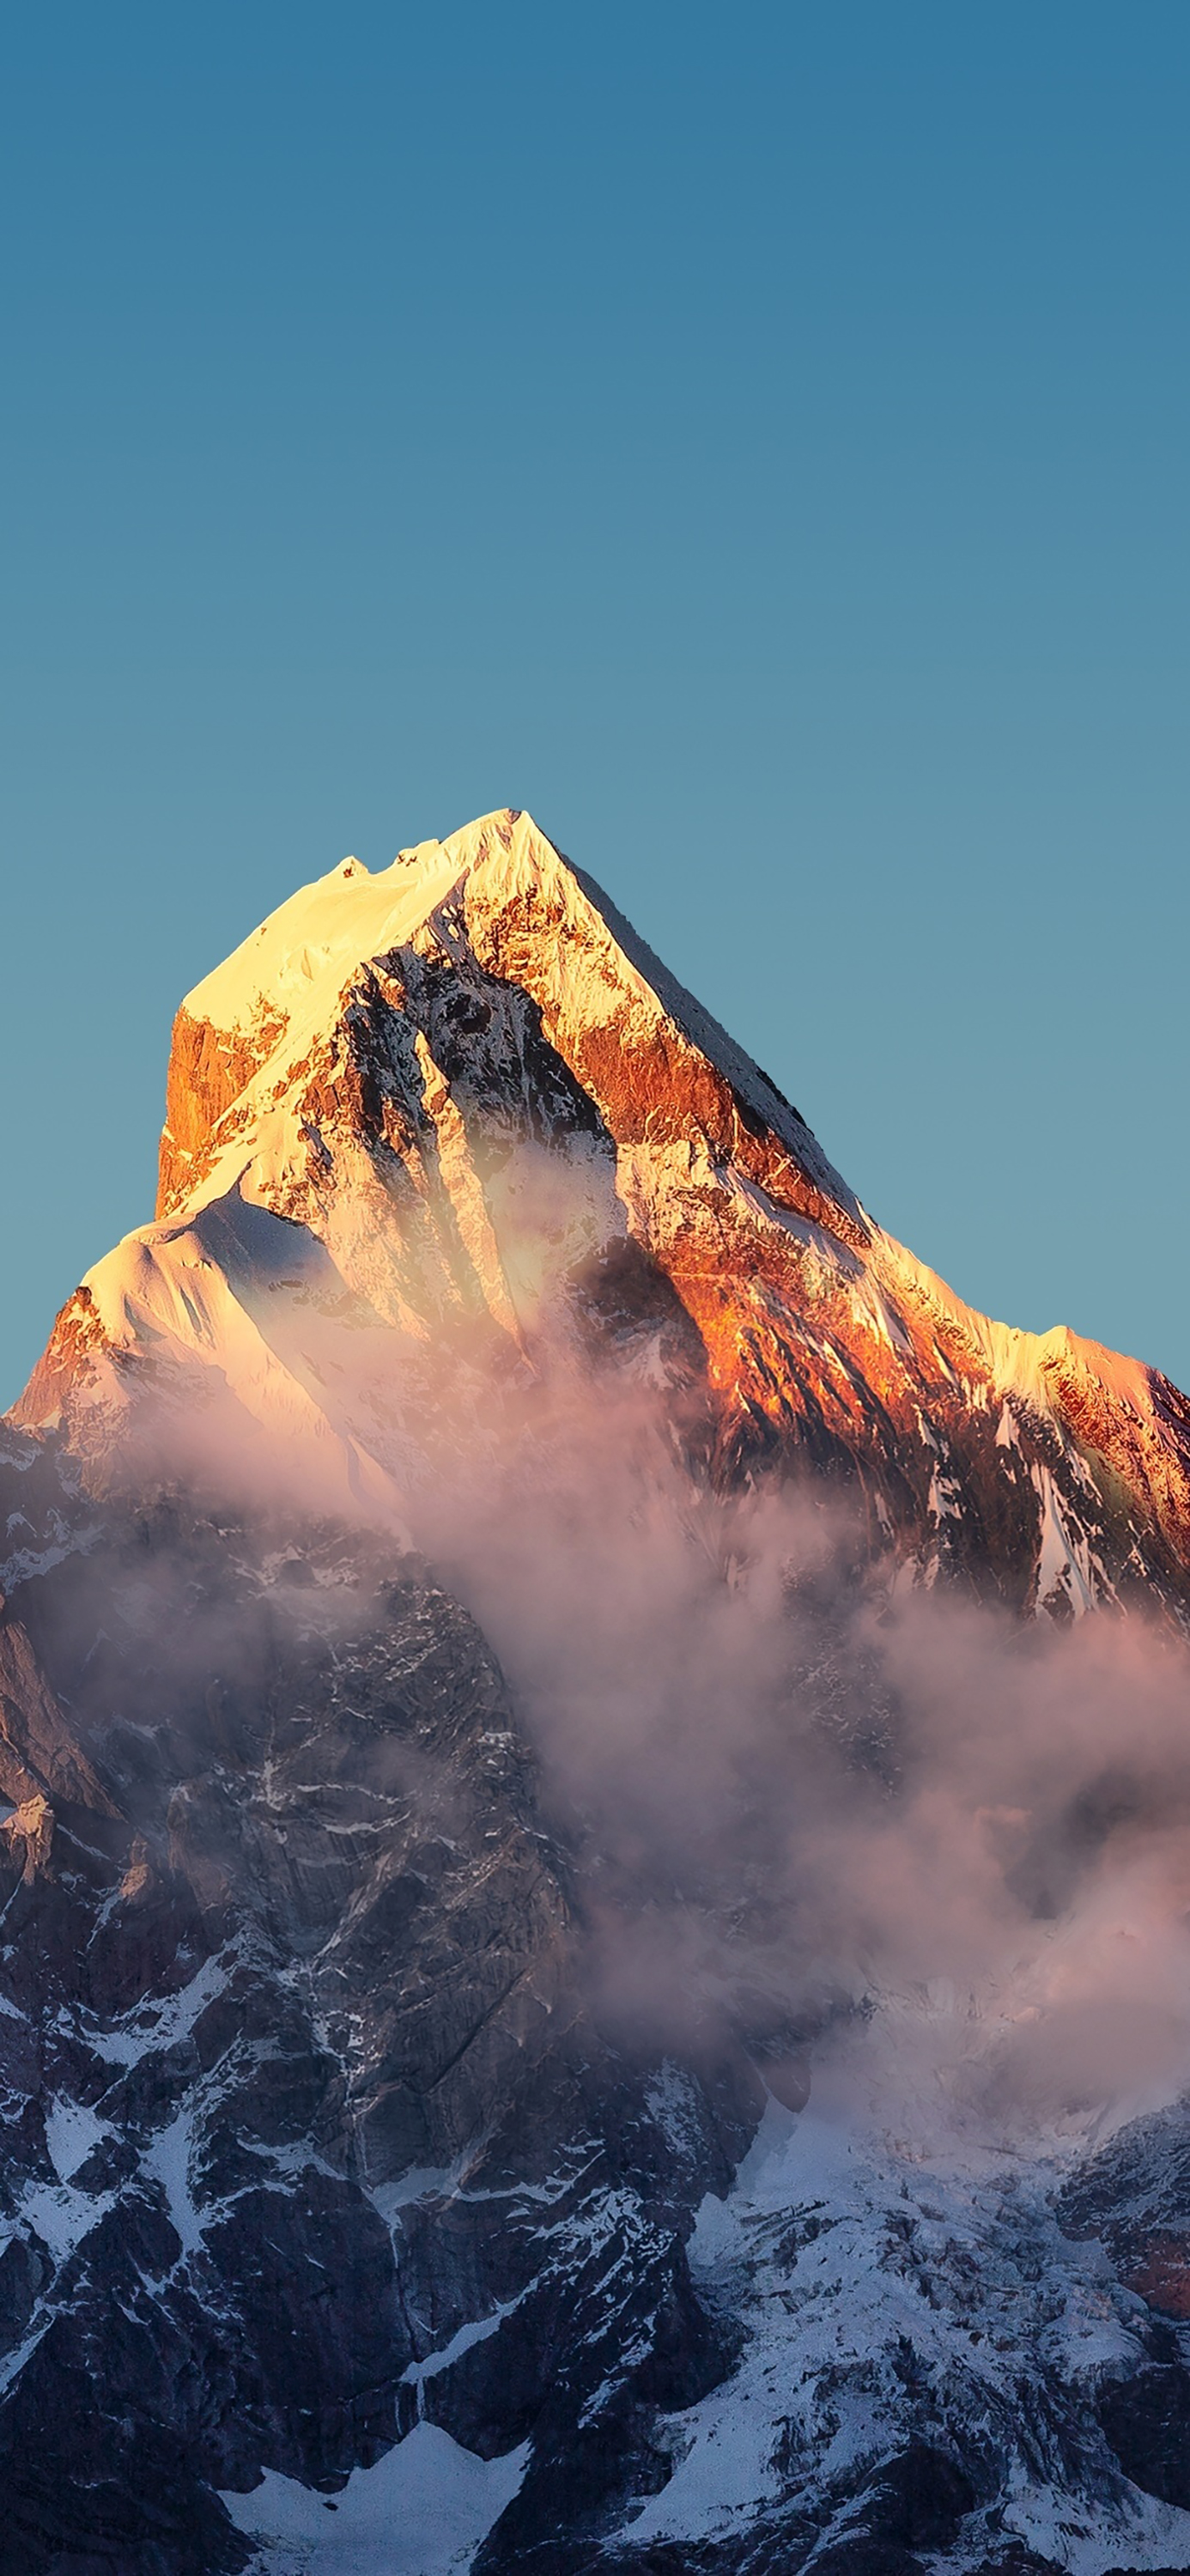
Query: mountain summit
point(460, 1108)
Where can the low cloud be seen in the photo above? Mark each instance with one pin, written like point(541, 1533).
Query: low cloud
point(800, 1795)
point(856, 1806)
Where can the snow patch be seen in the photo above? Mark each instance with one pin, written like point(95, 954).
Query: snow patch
point(1066, 1568)
point(167, 2161)
point(161, 2025)
point(71, 2130)
point(460, 2342)
point(422, 2511)
point(673, 2104)
point(62, 2217)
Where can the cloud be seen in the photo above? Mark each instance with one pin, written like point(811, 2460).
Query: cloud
point(802, 1799)
point(801, 1790)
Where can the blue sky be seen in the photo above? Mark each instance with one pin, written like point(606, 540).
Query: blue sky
point(754, 439)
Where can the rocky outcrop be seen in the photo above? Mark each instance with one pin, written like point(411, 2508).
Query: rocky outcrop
point(209, 1069)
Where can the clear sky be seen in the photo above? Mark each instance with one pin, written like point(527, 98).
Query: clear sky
point(753, 438)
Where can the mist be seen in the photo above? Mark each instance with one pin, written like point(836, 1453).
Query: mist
point(859, 1823)
point(877, 1827)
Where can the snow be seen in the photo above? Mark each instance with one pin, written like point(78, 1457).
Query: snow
point(25, 1563)
point(167, 2161)
point(821, 2250)
point(945, 1500)
point(674, 2105)
point(875, 1307)
point(448, 2353)
point(836, 1259)
point(71, 2130)
point(161, 2025)
point(62, 2216)
point(662, 990)
point(160, 1292)
point(305, 952)
point(282, 989)
point(417, 2183)
point(1047, 2521)
point(277, 1311)
point(422, 2511)
point(1017, 1362)
point(1066, 1565)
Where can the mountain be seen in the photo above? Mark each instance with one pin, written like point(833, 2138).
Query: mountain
point(457, 1112)
point(519, 1592)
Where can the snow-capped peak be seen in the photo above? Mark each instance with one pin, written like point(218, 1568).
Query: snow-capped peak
point(417, 1114)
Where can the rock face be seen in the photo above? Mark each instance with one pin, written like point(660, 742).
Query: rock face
point(302, 2104)
point(344, 2223)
